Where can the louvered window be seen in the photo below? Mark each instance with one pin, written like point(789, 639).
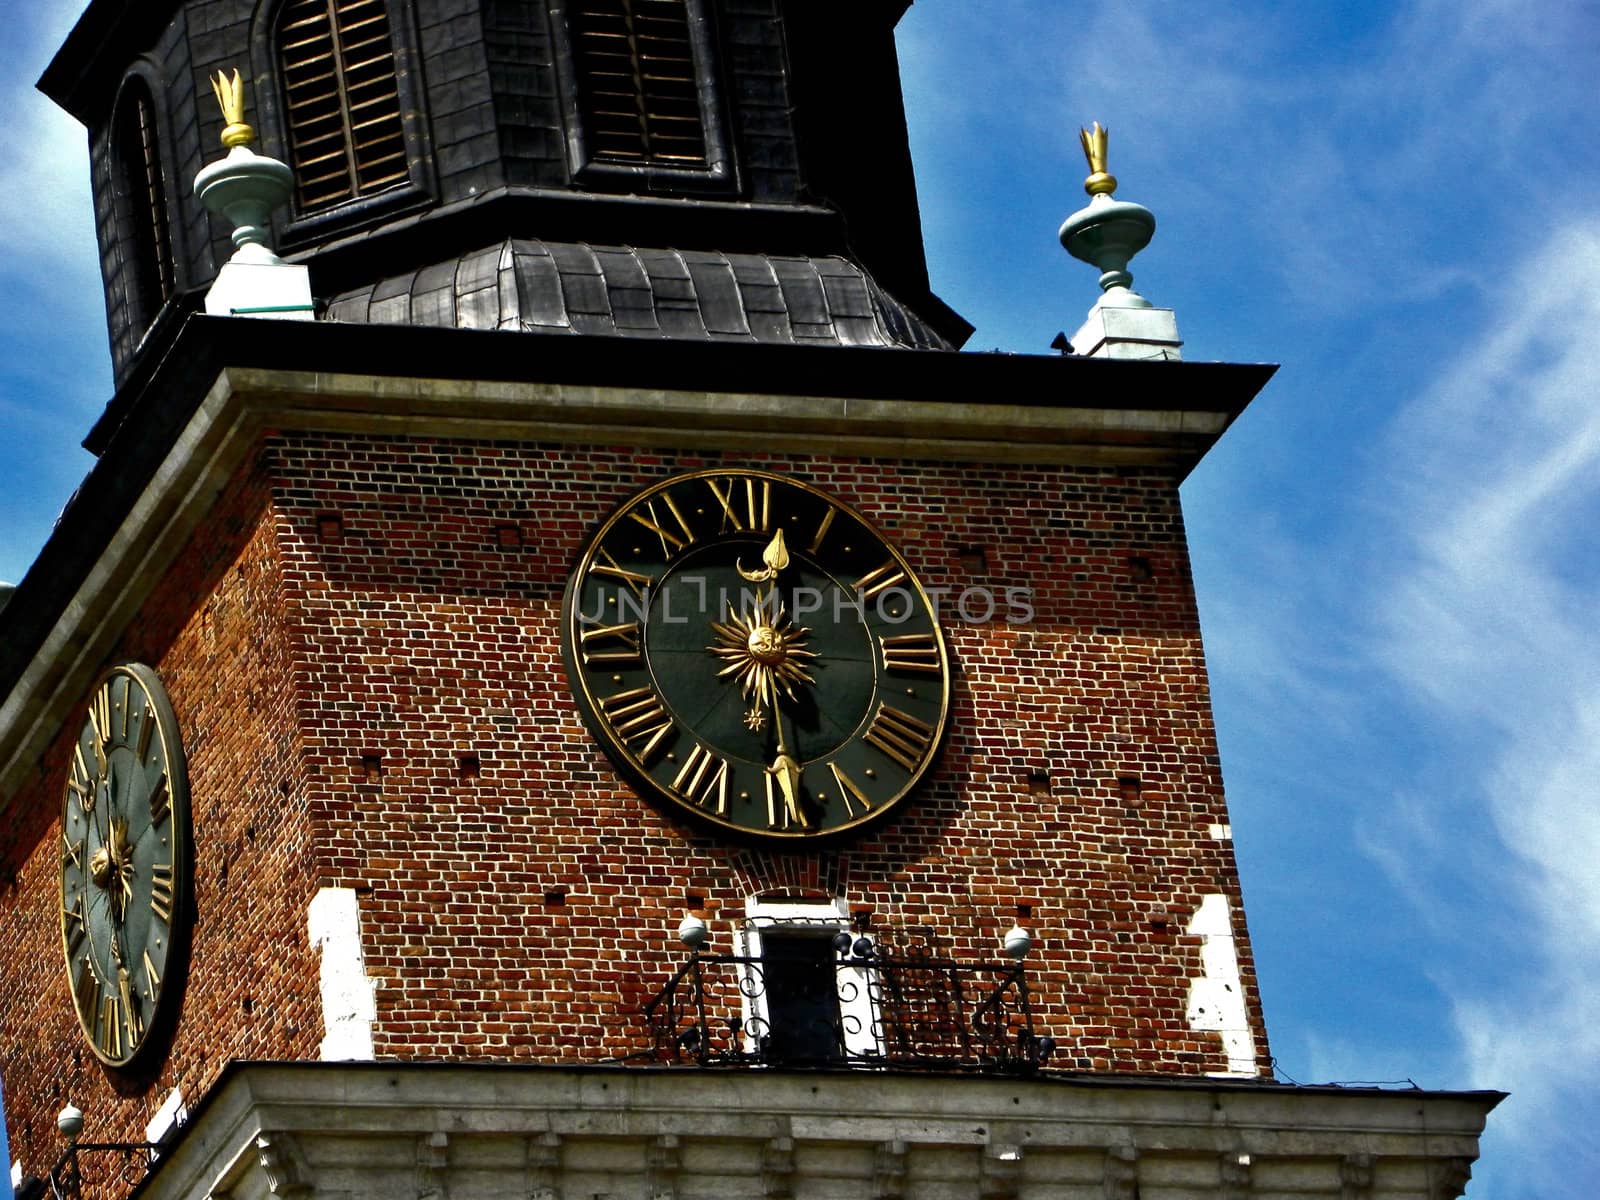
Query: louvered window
point(336, 61)
point(142, 205)
point(638, 88)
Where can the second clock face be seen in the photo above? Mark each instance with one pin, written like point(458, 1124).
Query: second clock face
point(754, 654)
point(125, 864)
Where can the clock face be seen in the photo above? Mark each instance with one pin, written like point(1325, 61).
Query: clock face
point(755, 655)
point(125, 864)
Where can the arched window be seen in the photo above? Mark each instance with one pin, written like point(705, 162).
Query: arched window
point(341, 100)
point(141, 204)
point(638, 87)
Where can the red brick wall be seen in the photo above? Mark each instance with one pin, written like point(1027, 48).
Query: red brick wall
point(219, 632)
point(427, 640)
point(414, 637)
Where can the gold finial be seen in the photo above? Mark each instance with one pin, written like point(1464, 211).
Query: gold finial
point(230, 96)
point(1100, 181)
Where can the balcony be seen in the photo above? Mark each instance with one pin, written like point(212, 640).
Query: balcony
point(846, 1002)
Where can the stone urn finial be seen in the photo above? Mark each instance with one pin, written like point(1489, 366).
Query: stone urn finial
point(243, 186)
point(1107, 233)
point(246, 187)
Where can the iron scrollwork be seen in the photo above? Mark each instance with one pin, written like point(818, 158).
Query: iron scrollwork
point(922, 1011)
point(120, 1167)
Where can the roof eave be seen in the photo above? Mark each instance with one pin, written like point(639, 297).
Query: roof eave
point(177, 433)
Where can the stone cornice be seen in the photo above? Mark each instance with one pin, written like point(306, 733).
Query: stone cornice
point(491, 1129)
point(171, 441)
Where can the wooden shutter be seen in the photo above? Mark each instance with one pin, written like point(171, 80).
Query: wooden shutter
point(336, 59)
point(637, 82)
point(142, 201)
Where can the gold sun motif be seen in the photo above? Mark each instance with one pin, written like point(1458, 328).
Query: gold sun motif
point(763, 655)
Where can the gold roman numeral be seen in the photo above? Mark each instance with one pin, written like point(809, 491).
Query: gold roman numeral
point(916, 652)
point(671, 543)
point(698, 783)
point(756, 495)
point(152, 980)
point(72, 919)
point(160, 801)
point(147, 726)
point(108, 1028)
point(848, 789)
point(132, 1022)
point(879, 580)
point(639, 716)
point(822, 530)
point(637, 581)
point(126, 707)
point(100, 715)
point(613, 644)
point(784, 810)
point(72, 852)
point(901, 736)
point(79, 780)
point(86, 989)
point(161, 891)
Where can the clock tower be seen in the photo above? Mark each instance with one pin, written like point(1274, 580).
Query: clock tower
point(563, 681)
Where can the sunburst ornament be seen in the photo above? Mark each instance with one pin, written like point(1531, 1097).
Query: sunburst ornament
point(763, 655)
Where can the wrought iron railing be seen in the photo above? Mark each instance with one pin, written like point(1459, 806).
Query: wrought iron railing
point(905, 1010)
point(119, 1167)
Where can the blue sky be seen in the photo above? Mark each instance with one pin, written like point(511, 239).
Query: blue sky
point(1394, 548)
point(6, 1192)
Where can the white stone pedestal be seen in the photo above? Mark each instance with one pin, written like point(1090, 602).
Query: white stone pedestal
point(278, 290)
point(1139, 333)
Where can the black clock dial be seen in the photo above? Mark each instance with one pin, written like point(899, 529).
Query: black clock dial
point(125, 848)
point(755, 655)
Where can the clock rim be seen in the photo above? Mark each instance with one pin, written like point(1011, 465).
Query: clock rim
point(659, 797)
point(168, 995)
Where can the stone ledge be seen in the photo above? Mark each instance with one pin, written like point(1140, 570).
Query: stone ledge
point(358, 1130)
point(169, 443)
point(869, 426)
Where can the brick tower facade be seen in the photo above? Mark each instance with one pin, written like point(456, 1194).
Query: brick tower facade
point(563, 252)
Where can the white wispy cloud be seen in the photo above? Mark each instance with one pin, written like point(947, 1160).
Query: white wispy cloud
point(1321, 171)
point(1441, 627)
point(54, 369)
point(1350, 180)
point(46, 221)
point(1487, 618)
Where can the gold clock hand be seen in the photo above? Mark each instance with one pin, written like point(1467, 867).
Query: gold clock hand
point(95, 803)
point(116, 838)
point(786, 771)
point(103, 863)
point(775, 557)
point(124, 854)
point(765, 655)
point(104, 784)
point(129, 1013)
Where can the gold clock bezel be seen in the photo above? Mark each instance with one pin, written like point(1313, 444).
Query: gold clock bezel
point(589, 689)
point(165, 888)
